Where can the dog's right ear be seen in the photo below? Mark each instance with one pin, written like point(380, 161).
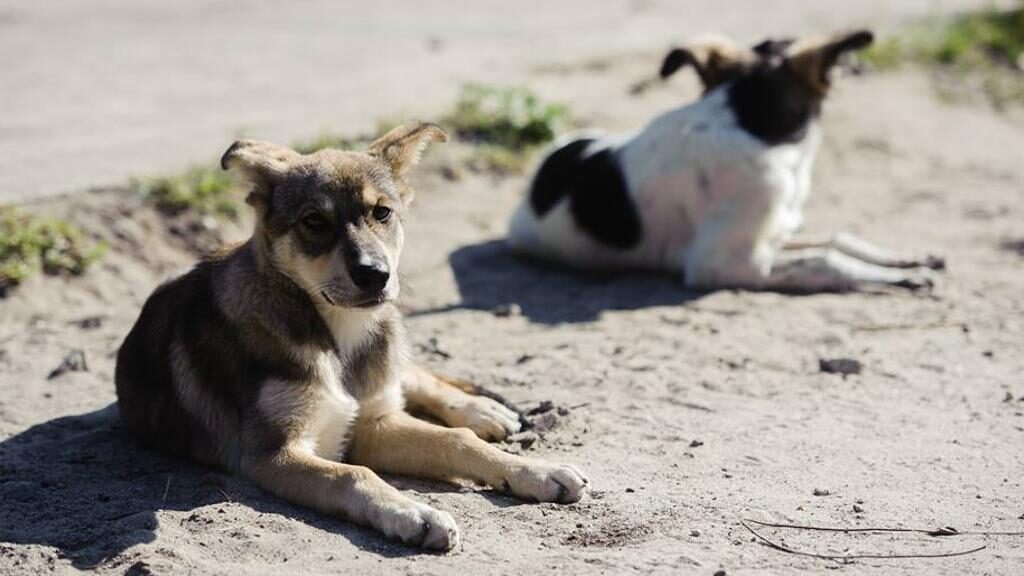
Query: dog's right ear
point(262, 164)
point(716, 60)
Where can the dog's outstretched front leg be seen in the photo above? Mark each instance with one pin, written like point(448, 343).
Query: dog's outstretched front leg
point(452, 403)
point(865, 251)
point(353, 492)
point(401, 444)
point(820, 270)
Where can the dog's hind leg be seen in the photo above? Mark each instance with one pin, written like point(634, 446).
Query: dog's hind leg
point(872, 254)
point(400, 444)
point(458, 404)
point(353, 492)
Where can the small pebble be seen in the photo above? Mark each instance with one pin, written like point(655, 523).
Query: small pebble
point(630, 491)
point(821, 492)
point(73, 362)
point(858, 508)
point(720, 573)
point(696, 443)
point(695, 533)
point(844, 366)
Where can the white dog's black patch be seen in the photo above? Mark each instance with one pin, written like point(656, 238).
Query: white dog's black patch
point(555, 178)
point(601, 205)
point(598, 196)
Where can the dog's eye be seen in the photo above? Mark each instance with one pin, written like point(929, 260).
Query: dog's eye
point(381, 213)
point(315, 223)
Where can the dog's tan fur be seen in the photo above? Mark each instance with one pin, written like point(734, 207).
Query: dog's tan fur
point(274, 359)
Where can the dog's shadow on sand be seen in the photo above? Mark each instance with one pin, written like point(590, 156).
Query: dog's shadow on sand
point(491, 277)
point(79, 484)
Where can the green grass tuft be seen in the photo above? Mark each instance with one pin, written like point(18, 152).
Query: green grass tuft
point(30, 243)
point(513, 118)
point(505, 125)
point(988, 38)
point(978, 52)
point(989, 35)
point(204, 190)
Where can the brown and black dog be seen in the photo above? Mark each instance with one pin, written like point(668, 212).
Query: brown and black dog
point(283, 360)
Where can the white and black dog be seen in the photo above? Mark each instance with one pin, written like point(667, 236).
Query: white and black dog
point(714, 189)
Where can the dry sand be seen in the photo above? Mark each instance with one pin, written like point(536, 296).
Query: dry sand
point(689, 411)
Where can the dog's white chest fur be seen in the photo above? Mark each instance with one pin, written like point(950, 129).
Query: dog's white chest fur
point(333, 410)
point(322, 410)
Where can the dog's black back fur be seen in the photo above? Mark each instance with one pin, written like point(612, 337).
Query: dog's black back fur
point(597, 191)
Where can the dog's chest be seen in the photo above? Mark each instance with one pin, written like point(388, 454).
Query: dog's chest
point(332, 410)
point(332, 413)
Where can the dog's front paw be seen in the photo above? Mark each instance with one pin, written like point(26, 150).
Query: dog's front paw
point(417, 524)
point(543, 482)
point(934, 261)
point(923, 281)
point(487, 418)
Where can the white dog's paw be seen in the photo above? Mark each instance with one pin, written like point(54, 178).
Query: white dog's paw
point(487, 418)
point(417, 524)
point(543, 482)
point(922, 280)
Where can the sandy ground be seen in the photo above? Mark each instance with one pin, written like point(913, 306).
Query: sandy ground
point(95, 91)
point(690, 412)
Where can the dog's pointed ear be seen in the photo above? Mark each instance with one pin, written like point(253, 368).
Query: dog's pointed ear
point(262, 164)
point(401, 148)
point(716, 60)
point(674, 60)
point(814, 60)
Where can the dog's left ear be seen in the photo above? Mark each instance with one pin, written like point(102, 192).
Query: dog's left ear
point(813, 61)
point(400, 149)
point(716, 59)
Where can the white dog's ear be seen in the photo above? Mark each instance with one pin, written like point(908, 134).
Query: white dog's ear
point(401, 148)
point(813, 60)
point(716, 59)
point(260, 163)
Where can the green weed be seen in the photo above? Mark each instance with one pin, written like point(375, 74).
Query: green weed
point(31, 243)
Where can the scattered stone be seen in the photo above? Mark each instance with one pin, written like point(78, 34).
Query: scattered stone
point(562, 411)
point(988, 353)
point(696, 443)
point(720, 573)
point(90, 322)
point(524, 359)
point(821, 492)
point(73, 362)
point(858, 508)
point(695, 533)
point(507, 310)
point(1008, 397)
point(140, 568)
point(630, 491)
point(545, 406)
point(844, 366)
point(526, 440)
point(545, 422)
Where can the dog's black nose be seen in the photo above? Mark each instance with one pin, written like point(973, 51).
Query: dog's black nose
point(370, 278)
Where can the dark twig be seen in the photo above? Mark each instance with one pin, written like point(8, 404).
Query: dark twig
point(944, 531)
point(940, 532)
